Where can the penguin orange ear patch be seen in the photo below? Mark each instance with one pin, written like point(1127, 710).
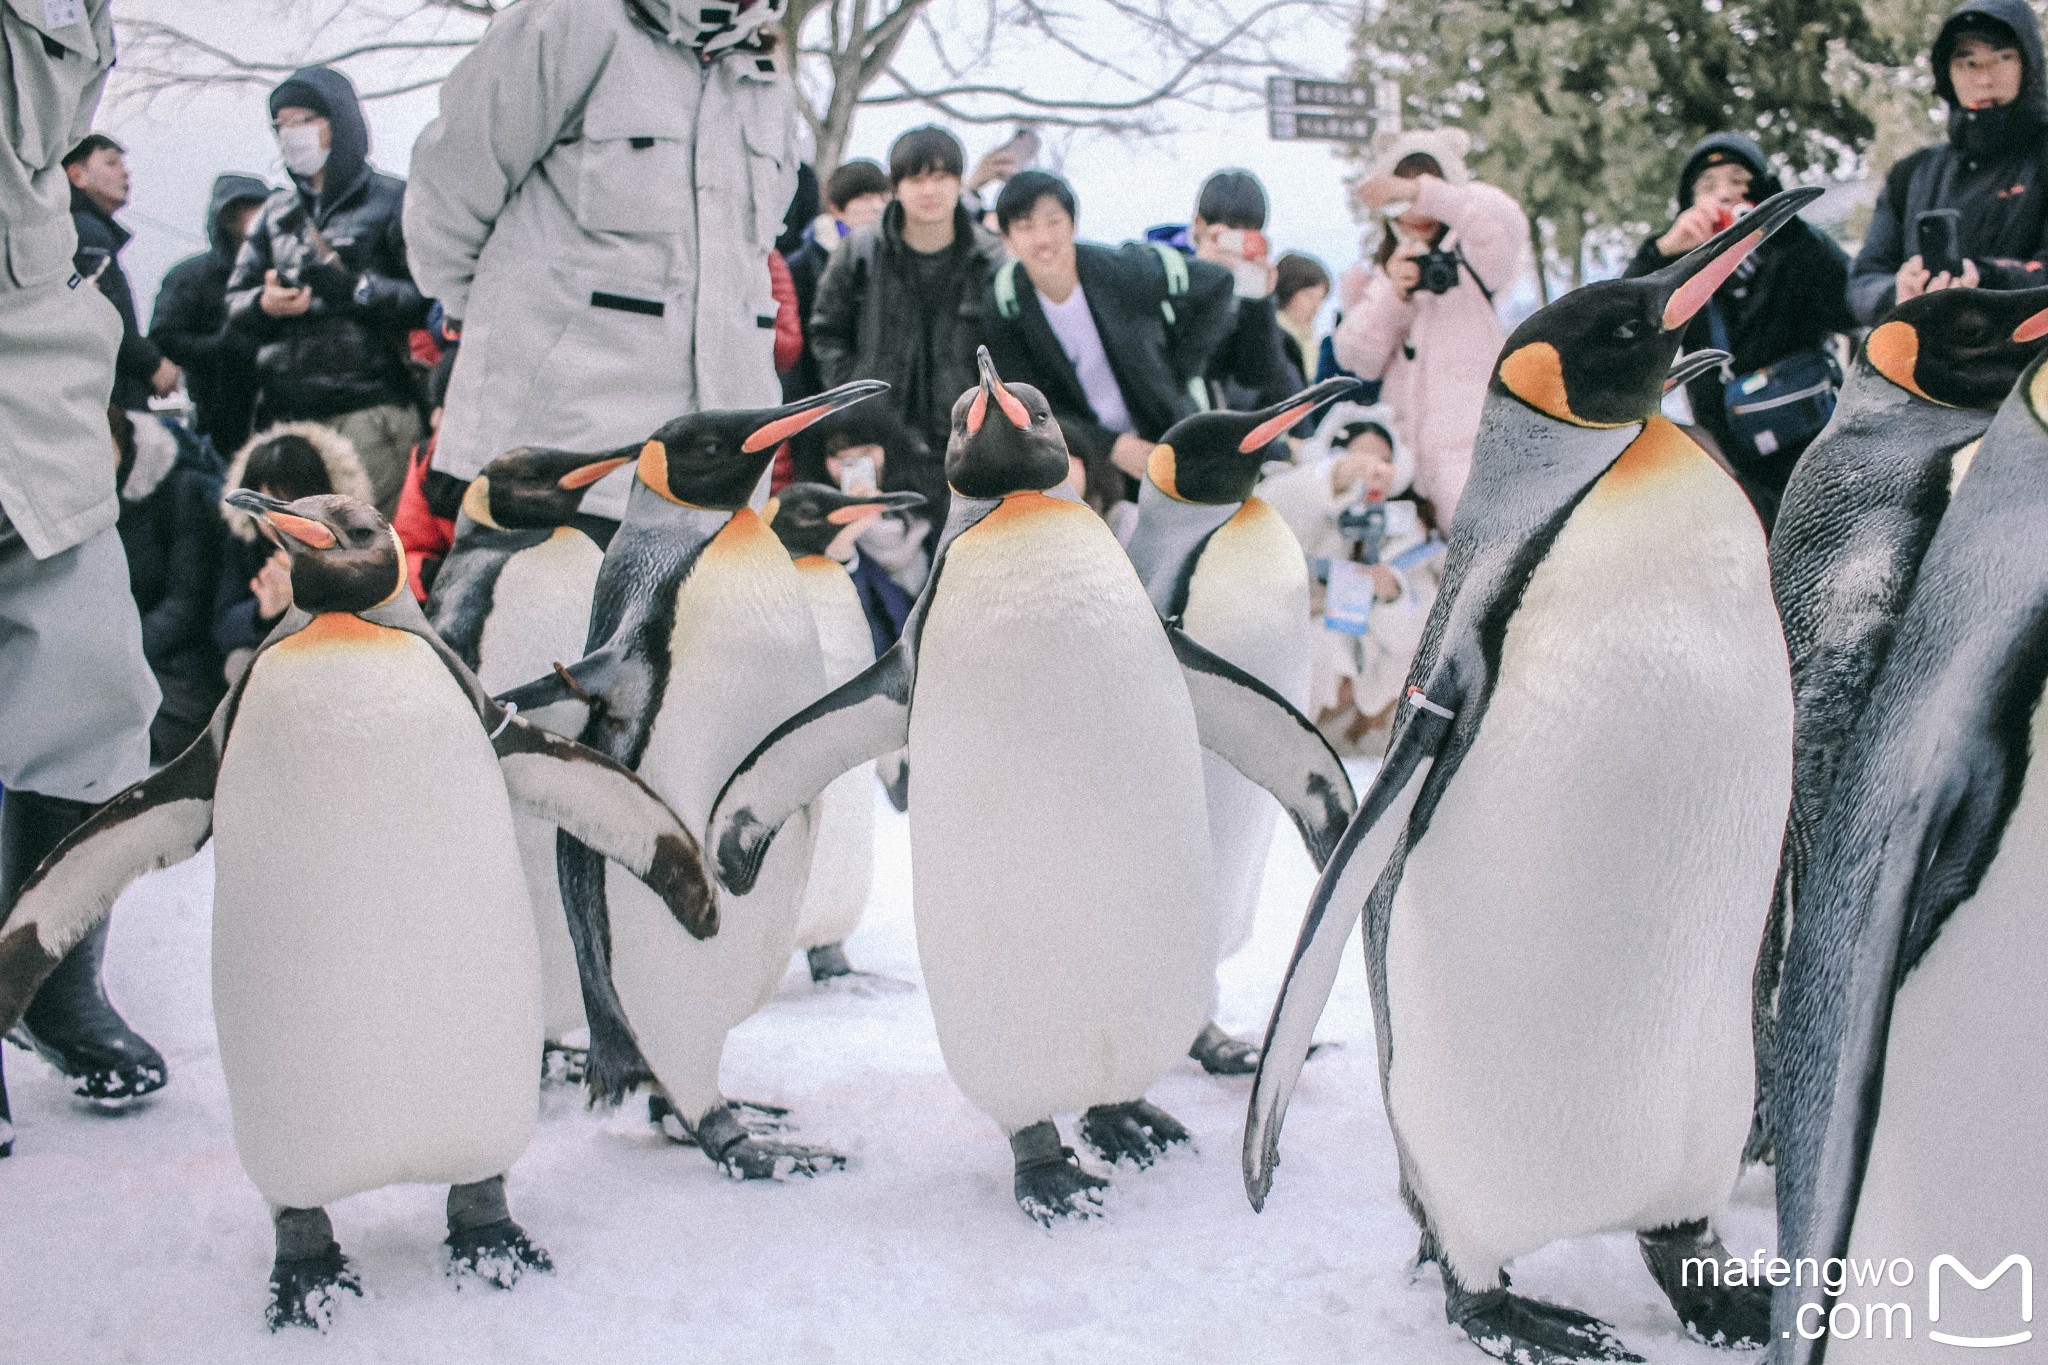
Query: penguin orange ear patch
point(1692, 296)
point(585, 475)
point(1160, 469)
point(2033, 329)
point(1894, 350)
point(476, 501)
point(1535, 374)
point(653, 468)
point(1268, 431)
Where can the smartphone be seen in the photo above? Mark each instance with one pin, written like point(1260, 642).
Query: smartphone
point(1022, 148)
point(858, 475)
point(1937, 234)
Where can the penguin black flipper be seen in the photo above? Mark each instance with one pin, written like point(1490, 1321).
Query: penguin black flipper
point(1259, 732)
point(588, 680)
point(1348, 882)
point(856, 722)
point(163, 819)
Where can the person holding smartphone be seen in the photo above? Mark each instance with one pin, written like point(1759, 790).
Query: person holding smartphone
point(1988, 172)
point(1250, 368)
point(1778, 310)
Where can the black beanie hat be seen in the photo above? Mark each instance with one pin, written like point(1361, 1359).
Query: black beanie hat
point(295, 93)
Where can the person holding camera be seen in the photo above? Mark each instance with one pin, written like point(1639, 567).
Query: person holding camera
point(1972, 210)
point(1422, 333)
point(1248, 368)
point(322, 286)
point(1775, 316)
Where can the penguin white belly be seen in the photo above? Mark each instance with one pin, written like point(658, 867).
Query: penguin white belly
point(843, 863)
point(1059, 837)
point(1569, 958)
point(1248, 601)
point(540, 613)
point(376, 981)
point(1955, 1164)
point(744, 658)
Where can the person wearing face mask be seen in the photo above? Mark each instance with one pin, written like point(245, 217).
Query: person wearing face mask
point(323, 288)
point(1775, 316)
point(1420, 328)
point(594, 207)
point(1988, 70)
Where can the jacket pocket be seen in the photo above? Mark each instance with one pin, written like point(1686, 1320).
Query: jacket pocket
point(39, 252)
point(49, 73)
point(637, 183)
point(771, 180)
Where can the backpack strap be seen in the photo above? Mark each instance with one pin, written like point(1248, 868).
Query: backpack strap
point(1176, 266)
point(1006, 291)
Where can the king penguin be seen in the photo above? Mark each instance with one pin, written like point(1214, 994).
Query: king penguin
point(512, 599)
point(819, 525)
point(1221, 564)
point(700, 640)
point(1059, 835)
point(1858, 513)
point(1914, 1010)
point(376, 981)
point(1560, 944)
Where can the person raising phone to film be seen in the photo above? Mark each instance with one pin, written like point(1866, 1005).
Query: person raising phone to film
point(1988, 173)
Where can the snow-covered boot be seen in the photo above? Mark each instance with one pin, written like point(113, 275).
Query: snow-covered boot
point(70, 1023)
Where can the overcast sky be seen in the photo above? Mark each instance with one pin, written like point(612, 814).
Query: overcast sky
point(179, 142)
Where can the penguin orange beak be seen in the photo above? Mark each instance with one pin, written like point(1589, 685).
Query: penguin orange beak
point(1283, 415)
point(2033, 329)
point(1693, 278)
point(786, 422)
point(992, 386)
point(272, 514)
point(585, 475)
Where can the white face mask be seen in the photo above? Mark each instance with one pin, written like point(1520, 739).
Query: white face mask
point(300, 144)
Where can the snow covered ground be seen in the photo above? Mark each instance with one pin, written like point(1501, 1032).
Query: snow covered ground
point(137, 1238)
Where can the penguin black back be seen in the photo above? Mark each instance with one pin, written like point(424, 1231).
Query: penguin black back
point(1004, 439)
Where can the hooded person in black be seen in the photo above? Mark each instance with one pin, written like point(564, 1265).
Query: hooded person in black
point(323, 287)
point(1989, 169)
point(1787, 297)
point(190, 321)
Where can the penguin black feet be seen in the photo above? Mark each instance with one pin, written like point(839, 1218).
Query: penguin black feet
point(1137, 1131)
point(726, 1138)
point(1525, 1331)
point(1222, 1055)
point(829, 967)
point(1734, 1316)
point(484, 1243)
point(828, 960)
point(1050, 1182)
point(309, 1274)
point(561, 1064)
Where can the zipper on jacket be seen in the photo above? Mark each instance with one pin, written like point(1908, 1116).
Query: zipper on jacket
point(1744, 409)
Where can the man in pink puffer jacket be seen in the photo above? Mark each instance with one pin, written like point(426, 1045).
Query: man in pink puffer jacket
point(1434, 351)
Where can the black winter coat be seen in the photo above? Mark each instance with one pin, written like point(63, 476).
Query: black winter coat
point(190, 323)
point(1990, 168)
point(1152, 361)
point(100, 240)
point(171, 529)
point(806, 267)
point(346, 242)
point(872, 319)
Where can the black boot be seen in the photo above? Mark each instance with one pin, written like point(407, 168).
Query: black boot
point(70, 1023)
point(1050, 1182)
point(1526, 1331)
point(1737, 1316)
point(483, 1241)
point(309, 1271)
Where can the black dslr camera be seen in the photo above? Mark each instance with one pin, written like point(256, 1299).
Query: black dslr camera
point(1439, 271)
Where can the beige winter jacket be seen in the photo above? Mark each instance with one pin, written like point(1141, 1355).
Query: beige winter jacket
point(596, 207)
point(56, 343)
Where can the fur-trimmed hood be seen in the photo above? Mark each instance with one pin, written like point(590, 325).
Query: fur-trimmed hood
point(1344, 414)
point(344, 469)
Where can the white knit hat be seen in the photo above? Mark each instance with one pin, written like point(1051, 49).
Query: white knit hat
point(1447, 145)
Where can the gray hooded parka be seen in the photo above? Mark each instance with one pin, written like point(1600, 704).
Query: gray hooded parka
point(595, 205)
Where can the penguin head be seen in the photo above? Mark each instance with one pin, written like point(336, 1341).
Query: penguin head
point(1004, 439)
point(1599, 355)
point(535, 488)
point(808, 518)
point(1214, 457)
point(715, 459)
point(344, 556)
point(1963, 348)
